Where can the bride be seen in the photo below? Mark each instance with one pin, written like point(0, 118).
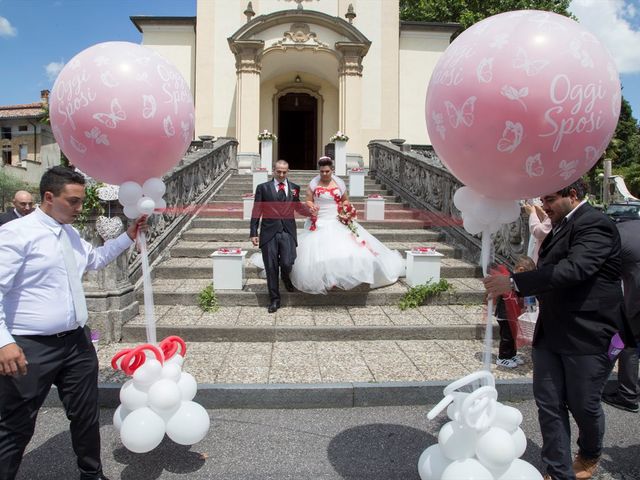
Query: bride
point(332, 254)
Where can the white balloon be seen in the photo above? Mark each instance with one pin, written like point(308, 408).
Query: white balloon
point(177, 359)
point(432, 463)
point(472, 225)
point(164, 395)
point(520, 470)
point(457, 441)
point(188, 386)
point(142, 430)
point(147, 374)
point(508, 418)
point(161, 205)
point(132, 397)
point(519, 442)
point(146, 205)
point(189, 424)
point(467, 469)
point(495, 449)
point(463, 197)
point(453, 411)
point(129, 193)
point(154, 188)
point(171, 371)
point(131, 211)
point(119, 415)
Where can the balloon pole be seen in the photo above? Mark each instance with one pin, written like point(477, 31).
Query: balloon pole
point(149, 317)
point(485, 256)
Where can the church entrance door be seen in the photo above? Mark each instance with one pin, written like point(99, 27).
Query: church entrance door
point(297, 130)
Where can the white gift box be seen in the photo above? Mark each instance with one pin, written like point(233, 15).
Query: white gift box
point(259, 176)
point(266, 154)
point(374, 208)
point(356, 183)
point(228, 269)
point(423, 267)
point(341, 157)
point(247, 206)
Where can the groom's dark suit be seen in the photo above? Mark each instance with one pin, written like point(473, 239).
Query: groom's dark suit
point(577, 283)
point(275, 220)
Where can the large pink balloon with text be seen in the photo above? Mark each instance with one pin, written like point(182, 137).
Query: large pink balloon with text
point(522, 104)
point(120, 112)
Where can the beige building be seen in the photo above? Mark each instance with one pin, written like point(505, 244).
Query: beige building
point(302, 69)
point(27, 145)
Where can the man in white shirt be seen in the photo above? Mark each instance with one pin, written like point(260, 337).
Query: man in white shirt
point(22, 205)
point(43, 337)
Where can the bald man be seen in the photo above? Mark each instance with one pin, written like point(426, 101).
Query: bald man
point(22, 205)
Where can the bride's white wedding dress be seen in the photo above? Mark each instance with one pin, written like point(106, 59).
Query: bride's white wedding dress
point(332, 256)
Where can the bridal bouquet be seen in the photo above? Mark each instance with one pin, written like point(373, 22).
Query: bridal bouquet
point(346, 215)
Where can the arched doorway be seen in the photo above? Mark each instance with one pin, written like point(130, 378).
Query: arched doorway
point(297, 130)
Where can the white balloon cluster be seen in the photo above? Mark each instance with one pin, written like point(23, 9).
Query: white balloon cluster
point(483, 440)
point(157, 400)
point(142, 200)
point(484, 214)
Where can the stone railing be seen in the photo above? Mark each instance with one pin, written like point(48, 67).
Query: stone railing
point(111, 292)
point(421, 180)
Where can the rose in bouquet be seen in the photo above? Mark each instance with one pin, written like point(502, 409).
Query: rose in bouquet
point(346, 215)
point(339, 137)
point(267, 135)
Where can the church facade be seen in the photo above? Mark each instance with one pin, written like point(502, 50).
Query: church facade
point(303, 70)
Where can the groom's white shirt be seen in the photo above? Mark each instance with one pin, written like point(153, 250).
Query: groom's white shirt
point(276, 184)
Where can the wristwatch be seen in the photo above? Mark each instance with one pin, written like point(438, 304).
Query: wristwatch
point(512, 284)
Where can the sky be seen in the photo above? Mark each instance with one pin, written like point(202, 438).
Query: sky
point(37, 37)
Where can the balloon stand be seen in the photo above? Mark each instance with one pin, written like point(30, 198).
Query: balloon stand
point(483, 440)
point(158, 399)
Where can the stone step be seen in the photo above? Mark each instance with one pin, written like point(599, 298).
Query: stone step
point(237, 212)
point(371, 226)
point(224, 197)
point(240, 190)
point(290, 324)
point(358, 204)
point(416, 237)
point(254, 293)
point(196, 268)
point(203, 249)
point(328, 363)
point(241, 180)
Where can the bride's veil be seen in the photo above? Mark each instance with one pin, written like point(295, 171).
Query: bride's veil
point(313, 184)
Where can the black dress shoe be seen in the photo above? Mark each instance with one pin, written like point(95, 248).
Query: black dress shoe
point(273, 307)
point(288, 285)
point(616, 401)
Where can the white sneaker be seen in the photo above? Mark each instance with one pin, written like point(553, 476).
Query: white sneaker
point(518, 359)
point(506, 363)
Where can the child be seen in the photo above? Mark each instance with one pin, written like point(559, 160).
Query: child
point(507, 354)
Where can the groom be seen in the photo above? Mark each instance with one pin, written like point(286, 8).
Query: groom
point(274, 206)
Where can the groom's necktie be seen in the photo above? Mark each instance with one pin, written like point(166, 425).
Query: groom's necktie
point(281, 193)
point(75, 282)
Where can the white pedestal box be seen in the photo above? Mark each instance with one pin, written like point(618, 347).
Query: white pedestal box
point(423, 267)
point(341, 157)
point(247, 206)
point(374, 208)
point(259, 176)
point(228, 270)
point(356, 183)
point(266, 154)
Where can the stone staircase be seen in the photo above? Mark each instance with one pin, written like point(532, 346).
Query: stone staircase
point(346, 336)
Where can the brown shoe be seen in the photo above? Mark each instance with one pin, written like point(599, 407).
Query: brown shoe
point(584, 468)
point(547, 477)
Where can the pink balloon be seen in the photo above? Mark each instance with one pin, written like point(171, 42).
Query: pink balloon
point(121, 112)
point(522, 104)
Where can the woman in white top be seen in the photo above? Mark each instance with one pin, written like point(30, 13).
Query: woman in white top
point(539, 228)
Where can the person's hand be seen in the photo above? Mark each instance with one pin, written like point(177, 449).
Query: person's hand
point(12, 360)
point(255, 241)
point(528, 208)
point(140, 225)
point(497, 285)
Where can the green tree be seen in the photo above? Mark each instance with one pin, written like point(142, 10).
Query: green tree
point(468, 12)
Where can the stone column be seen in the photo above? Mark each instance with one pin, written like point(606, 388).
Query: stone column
point(248, 55)
point(350, 99)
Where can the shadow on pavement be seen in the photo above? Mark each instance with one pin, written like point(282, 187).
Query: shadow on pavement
point(378, 451)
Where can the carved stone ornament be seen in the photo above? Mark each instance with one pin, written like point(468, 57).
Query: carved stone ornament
point(300, 35)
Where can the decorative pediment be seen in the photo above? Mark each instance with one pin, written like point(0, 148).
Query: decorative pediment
point(300, 35)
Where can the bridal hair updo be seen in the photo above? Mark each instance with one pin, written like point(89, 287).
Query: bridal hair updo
point(325, 162)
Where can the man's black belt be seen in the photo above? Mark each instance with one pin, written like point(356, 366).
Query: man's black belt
point(55, 335)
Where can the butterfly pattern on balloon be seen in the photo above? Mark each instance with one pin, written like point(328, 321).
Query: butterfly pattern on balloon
point(546, 22)
point(534, 166)
point(169, 129)
point(567, 168)
point(438, 119)
point(484, 72)
point(108, 80)
point(111, 119)
point(80, 147)
point(101, 60)
point(517, 94)
point(531, 67)
point(575, 47)
point(462, 115)
point(149, 106)
point(96, 135)
point(500, 41)
point(511, 137)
